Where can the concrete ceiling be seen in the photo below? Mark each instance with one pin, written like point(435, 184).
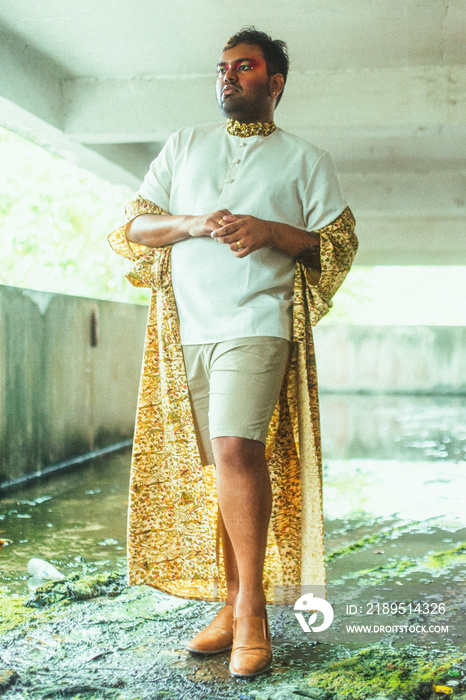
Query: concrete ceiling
point(380, 84)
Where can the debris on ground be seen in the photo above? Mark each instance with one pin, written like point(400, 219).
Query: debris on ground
point(76, 587)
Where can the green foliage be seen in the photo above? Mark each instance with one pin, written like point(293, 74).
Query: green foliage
point(54, 222)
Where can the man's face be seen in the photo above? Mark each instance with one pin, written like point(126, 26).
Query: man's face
point(243, 86)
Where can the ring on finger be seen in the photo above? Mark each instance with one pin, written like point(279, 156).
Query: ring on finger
point(239, 245)
point(220, 223)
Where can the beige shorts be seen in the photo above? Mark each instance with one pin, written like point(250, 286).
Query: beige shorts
point(234, 386)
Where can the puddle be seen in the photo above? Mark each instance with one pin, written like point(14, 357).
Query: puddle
point(420, 490)
point(77, 521)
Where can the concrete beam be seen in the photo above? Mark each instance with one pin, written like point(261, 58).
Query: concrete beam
point(133, 157)
point(420, 150)
point(419, 194)
point(388, 100)
point(31, 80)
point(43, 134)
point(31, 104)
point(393, 99)
point(398, 136)
point(392, 240)
point(119, 111)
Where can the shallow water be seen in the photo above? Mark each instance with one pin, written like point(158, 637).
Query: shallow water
point(75, 520)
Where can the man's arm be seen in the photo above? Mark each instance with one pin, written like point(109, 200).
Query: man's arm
point(303, 246)
point(253, 234)
point(155, 230)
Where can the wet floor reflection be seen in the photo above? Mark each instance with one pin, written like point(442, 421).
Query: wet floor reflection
point(76, 520)
point(405, 428)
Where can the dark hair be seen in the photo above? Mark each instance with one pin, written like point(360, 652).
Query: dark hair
point(274, 51)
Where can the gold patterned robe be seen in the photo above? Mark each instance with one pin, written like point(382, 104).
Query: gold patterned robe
point(173, 534)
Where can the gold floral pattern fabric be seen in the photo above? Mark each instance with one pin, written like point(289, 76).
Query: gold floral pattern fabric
point(236, 128)
point(173, 525)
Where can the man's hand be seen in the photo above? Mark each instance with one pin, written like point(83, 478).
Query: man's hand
point(244, 234)
point(204, 224)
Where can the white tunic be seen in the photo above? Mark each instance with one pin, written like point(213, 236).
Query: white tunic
point(279, 177)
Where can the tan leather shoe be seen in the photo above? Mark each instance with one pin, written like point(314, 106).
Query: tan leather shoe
point(252, 646)
point(216, 637)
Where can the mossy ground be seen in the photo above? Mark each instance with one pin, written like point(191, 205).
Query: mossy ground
point(384, 671)
point(76, 587)
point(14, 613)
point(437, 561)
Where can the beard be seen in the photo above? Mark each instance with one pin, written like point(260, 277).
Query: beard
point(245, 108)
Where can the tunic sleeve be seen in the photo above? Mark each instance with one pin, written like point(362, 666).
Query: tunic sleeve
point(322, 198)
point(326, 213)
point(147, 260)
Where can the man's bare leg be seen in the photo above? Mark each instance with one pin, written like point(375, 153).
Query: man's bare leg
point(245, 501)
point(218, 635)
point(231, 569)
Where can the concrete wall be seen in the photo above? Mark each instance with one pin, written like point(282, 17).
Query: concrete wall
point(63, 392)
point(395, 359)
point(397, 427)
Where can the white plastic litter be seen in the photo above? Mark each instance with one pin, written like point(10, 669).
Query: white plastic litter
point(43, 570)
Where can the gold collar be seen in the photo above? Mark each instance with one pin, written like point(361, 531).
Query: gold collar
point(236, 128)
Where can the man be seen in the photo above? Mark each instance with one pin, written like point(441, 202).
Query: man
point(243, 235)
